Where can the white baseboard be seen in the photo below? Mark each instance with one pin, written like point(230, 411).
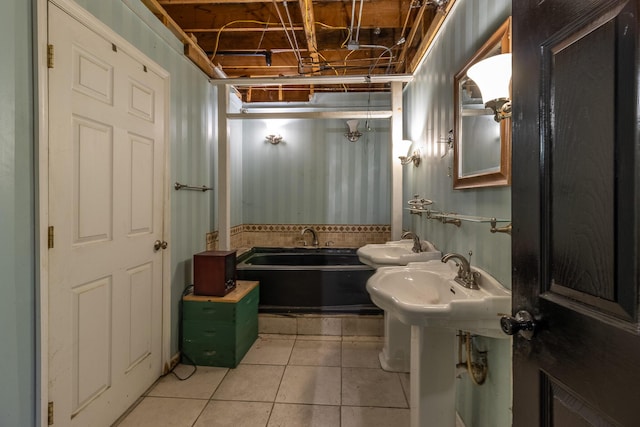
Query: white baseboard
point(173, 362)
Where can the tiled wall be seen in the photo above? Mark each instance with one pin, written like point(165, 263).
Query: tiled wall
point(288, 235)
point(311, 324)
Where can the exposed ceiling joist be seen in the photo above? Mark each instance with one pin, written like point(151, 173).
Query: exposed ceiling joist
point(269, 39)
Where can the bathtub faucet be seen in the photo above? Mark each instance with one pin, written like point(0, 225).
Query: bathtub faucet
point(417, 247)
point(314, 242)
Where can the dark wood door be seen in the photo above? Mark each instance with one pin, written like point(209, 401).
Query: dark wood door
point(576, 212)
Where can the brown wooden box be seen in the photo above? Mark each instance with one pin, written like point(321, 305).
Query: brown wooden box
point(214, 273)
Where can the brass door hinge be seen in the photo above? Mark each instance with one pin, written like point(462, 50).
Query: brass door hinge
point(49, 56)
point(50, 414)
point(50, 237)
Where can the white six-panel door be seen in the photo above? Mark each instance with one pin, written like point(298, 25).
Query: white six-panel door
point(106, 166)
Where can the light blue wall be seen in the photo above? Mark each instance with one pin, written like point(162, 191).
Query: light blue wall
point(17, 217)
point(192, 132)
point(316, 175)
point(428, 106)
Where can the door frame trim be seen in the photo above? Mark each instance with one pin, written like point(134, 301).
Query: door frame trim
point(42, 193)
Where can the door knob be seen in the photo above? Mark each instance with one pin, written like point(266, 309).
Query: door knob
point(523, 324)
point(158, 244)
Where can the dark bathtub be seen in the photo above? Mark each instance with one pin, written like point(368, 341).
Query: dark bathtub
point(301, 280)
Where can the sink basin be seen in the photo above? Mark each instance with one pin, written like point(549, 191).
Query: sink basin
point(397, 252)
point(425, 294)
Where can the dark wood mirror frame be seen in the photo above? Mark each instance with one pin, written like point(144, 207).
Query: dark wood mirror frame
point(500, 40)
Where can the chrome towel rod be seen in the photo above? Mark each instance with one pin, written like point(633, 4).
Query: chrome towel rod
point(179, 186)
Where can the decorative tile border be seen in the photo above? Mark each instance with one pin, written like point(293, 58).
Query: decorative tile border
point(287, 235)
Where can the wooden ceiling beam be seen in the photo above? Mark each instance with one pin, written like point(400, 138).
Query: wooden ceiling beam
point(309, 24)
point(275, 28)
point(211, 2)
point(376, 13)
point(191, 48)
point(417, 23)
point(437, 22)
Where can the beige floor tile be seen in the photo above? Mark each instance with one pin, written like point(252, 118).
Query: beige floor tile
point(287, 415)
point(372, 387)
point(356, 416)
point(278, 336)
point(318, 385)
point(221, 413)
point(166, 412)
point(200, 385)
point(361, 354)
point(267, 351)
point(316, 353)
point(257, 383)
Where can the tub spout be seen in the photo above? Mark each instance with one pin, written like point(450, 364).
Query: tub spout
point(314, 235)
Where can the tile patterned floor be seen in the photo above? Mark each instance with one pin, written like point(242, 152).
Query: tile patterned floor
point(284, 380)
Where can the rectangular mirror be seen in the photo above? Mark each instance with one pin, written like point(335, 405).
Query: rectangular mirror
point(482, 145)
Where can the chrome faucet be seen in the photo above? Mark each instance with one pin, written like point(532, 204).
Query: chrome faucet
point(417, 247)
point(314, 242)
point(466, 277)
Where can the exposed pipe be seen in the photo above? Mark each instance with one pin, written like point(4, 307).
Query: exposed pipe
point(293, 33)
point(353, 15)
point(406, 20)
point(477, 371)
point(359, 21)
point(286, 31)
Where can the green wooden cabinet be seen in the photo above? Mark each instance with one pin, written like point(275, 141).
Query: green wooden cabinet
point(218, 331)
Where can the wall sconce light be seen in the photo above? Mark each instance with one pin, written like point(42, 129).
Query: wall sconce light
point(413, 158)
point(493, 77)
point(353, 135)
point(274, 139)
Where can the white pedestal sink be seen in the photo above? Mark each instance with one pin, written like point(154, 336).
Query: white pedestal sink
point(395, 354)
point(425, 296)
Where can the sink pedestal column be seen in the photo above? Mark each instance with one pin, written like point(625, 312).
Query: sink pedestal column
point(395, 354)
point(432, 378)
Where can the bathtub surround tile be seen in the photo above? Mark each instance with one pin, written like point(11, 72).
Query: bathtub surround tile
point(372, 387)
point(288, 235)
point(162, 411)
point(363, 326)
point(319, 385)
point(267, 351)
point(287, 415)
point(315, 325)
point(367, 328)
point(316, 353)
point(361, 354)
point(255, 383)
point(212, 241)
point(219, 413)
point(319, 338)
point(200, 385)
point(274, 324)
point(356, 416)
point(366, 338)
